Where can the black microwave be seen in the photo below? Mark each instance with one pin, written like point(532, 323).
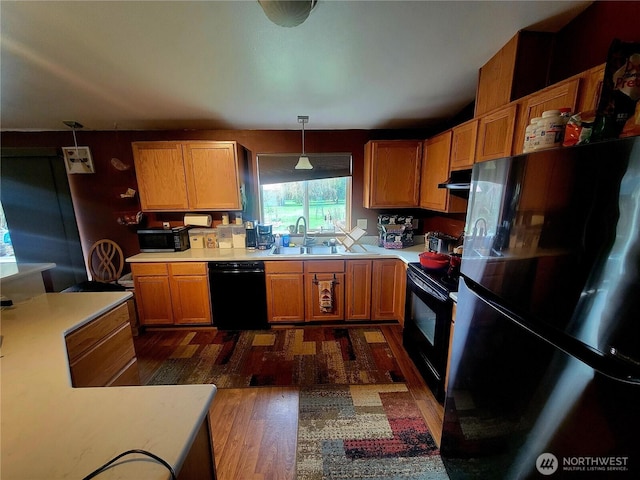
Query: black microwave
point(164, 239)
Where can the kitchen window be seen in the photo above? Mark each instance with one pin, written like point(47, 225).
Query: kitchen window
point(322, 195)
point(6, 248)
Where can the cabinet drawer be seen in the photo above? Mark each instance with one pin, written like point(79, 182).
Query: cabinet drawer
point(128, 376)
point(82, 339)
point(283, 267)
point(188, 268)
point(139, 269)
point(322, 266)
point(102, 363)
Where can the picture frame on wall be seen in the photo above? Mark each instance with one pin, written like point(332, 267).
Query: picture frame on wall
point(78, 160)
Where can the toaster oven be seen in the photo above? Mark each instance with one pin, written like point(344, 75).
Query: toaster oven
point(440, 242)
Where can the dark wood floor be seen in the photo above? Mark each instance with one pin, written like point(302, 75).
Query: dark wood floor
point(255, 429)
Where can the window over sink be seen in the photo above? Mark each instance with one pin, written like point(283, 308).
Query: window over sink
point(322, 195)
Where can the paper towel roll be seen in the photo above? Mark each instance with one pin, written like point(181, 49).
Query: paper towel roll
point(198, 220)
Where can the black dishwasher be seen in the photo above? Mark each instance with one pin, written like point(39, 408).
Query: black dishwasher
point(238, 295)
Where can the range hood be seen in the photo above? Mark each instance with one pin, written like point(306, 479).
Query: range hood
point(458, 180)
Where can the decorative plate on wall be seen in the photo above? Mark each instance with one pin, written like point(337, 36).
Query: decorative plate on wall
point(78, 160)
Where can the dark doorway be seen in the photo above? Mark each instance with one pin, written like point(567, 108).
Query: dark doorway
point(39, 211)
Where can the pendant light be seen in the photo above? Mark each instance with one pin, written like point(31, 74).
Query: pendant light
point(287, 13)
point(303, 160)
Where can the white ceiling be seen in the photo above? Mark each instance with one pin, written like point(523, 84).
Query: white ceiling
point(133, 65)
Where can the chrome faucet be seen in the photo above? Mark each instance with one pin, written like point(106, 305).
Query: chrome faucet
point(304, 238)
point(481, 231)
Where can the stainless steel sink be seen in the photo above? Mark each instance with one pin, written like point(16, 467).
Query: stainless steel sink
point(286, 251)
point(310, 250)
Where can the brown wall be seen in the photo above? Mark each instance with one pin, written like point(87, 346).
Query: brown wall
point(585, 41)
point(97, 196)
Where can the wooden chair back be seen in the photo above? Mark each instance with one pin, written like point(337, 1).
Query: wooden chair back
point(106, 261)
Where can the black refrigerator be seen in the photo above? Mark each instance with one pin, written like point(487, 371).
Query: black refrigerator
point(544, 378)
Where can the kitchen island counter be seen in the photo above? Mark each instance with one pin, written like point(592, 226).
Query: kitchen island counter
point(51, 430)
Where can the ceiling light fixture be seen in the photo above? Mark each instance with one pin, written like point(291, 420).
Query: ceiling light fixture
point(287, 13)
point(73, 125)
point(303, 160)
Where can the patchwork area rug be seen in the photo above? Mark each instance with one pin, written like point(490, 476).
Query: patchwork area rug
point(364, 432)
point(288, 357)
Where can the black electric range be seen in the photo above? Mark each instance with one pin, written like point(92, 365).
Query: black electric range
point(437, 279)
point(427, 323)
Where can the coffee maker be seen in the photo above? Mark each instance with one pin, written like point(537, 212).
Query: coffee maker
point(265, 237)
point(251, 237)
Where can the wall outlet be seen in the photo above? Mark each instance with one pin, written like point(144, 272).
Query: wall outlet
point(362, 223)
point(166, 225)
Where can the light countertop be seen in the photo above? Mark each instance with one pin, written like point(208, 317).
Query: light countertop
point(240, 254)
point(51, 430)
point(21, 281)
point(14, 270)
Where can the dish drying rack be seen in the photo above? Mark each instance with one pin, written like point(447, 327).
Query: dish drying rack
point(351, 239)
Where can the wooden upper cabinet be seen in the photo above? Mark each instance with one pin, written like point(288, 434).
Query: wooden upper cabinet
point(213, 175)
point(517, 69)
point(392, 173)
point(188, 176)
point(559, 95)
point(590, 89)
point(463, 145)
point(161, 176)
point(495, 133)
point(435, 170)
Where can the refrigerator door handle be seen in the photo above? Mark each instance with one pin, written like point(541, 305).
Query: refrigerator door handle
point(613, 366)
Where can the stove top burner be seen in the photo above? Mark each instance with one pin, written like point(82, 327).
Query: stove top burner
point(436, 278)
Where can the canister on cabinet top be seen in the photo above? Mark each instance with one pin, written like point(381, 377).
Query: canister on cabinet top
point(551, 129)
point(531, 140)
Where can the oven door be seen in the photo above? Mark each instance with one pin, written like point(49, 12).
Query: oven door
point(426, 331)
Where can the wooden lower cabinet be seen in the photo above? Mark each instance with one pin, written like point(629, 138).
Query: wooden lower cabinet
point(101, 353)
point(285, 291)
point(363, 290)
point(358, 290)
point(199, 463)
point(388, 290)
point(190, 297)
point(172, 293)
point(315, 272)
